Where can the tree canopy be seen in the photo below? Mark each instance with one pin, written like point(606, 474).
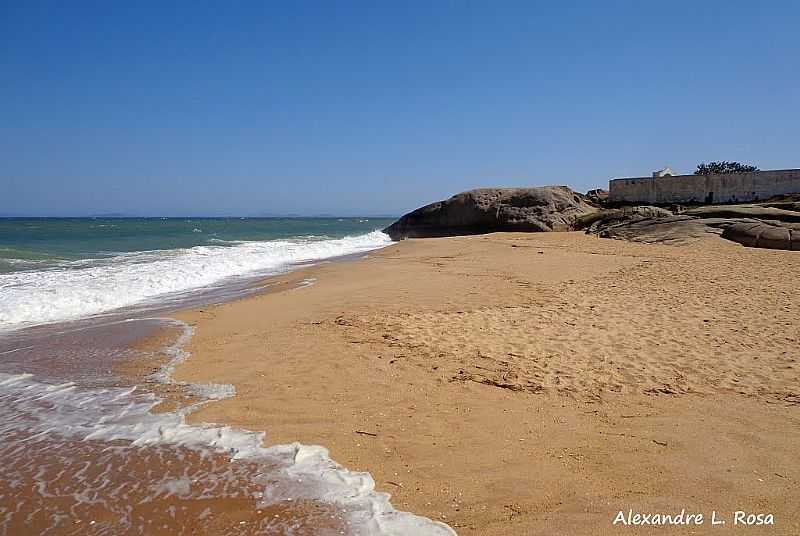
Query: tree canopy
point(724, 167)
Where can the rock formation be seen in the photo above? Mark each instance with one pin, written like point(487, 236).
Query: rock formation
point(598, 196)
point(764, 235)
point(607, 218)
point(485, 210)
point(764, 225)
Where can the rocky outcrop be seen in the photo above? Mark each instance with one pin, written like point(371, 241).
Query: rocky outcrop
point(757, 212)
point(549, 208)
point(759, 234)
point(761, 226)
point(598, 196)
point(607, 218)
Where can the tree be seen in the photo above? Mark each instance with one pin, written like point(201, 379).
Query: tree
point(724, 167)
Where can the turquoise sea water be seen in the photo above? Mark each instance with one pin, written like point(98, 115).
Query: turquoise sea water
point(27, 243)
point(61, 269)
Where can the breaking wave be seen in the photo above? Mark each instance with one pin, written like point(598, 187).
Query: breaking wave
point(77, 289)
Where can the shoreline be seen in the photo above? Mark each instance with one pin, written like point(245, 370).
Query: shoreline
point(484, 442)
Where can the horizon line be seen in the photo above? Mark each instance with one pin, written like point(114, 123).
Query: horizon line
point(234, 216)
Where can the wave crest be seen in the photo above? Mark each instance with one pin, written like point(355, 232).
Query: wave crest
point(65, 292)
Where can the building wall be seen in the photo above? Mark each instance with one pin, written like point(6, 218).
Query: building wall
point(726, 188)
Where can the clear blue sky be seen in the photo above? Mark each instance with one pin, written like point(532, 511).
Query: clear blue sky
point(176, 108)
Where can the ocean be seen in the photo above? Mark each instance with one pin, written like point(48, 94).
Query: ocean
point(88, 447)
point(62, 269)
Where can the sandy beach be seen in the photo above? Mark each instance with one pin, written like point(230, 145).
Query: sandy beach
point(530, 384)
point(400, 269)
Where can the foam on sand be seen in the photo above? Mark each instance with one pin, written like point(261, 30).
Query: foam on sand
point(297, 472)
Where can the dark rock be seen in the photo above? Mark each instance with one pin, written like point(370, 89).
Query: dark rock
point(757, 212)
point(746, 233)
point(486, 210)
point(758, 234)
point(608, 217)
point(749, 225)
point(676, 229)
point(597, 197)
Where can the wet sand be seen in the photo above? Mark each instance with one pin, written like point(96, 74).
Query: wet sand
point(58, 477)
point(530, 383)
point(150, 492)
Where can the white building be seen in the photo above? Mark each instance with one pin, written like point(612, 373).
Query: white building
point(666, 172)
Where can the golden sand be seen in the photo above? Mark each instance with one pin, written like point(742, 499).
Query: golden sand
point(530, 383)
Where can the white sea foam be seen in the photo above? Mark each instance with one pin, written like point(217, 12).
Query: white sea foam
point(89, 287)
point(306, 472)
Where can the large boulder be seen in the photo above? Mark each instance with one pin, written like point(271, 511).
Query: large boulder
point(759, 234)
point(486, 210)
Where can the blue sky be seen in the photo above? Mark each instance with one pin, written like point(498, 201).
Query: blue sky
point(216, 108)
